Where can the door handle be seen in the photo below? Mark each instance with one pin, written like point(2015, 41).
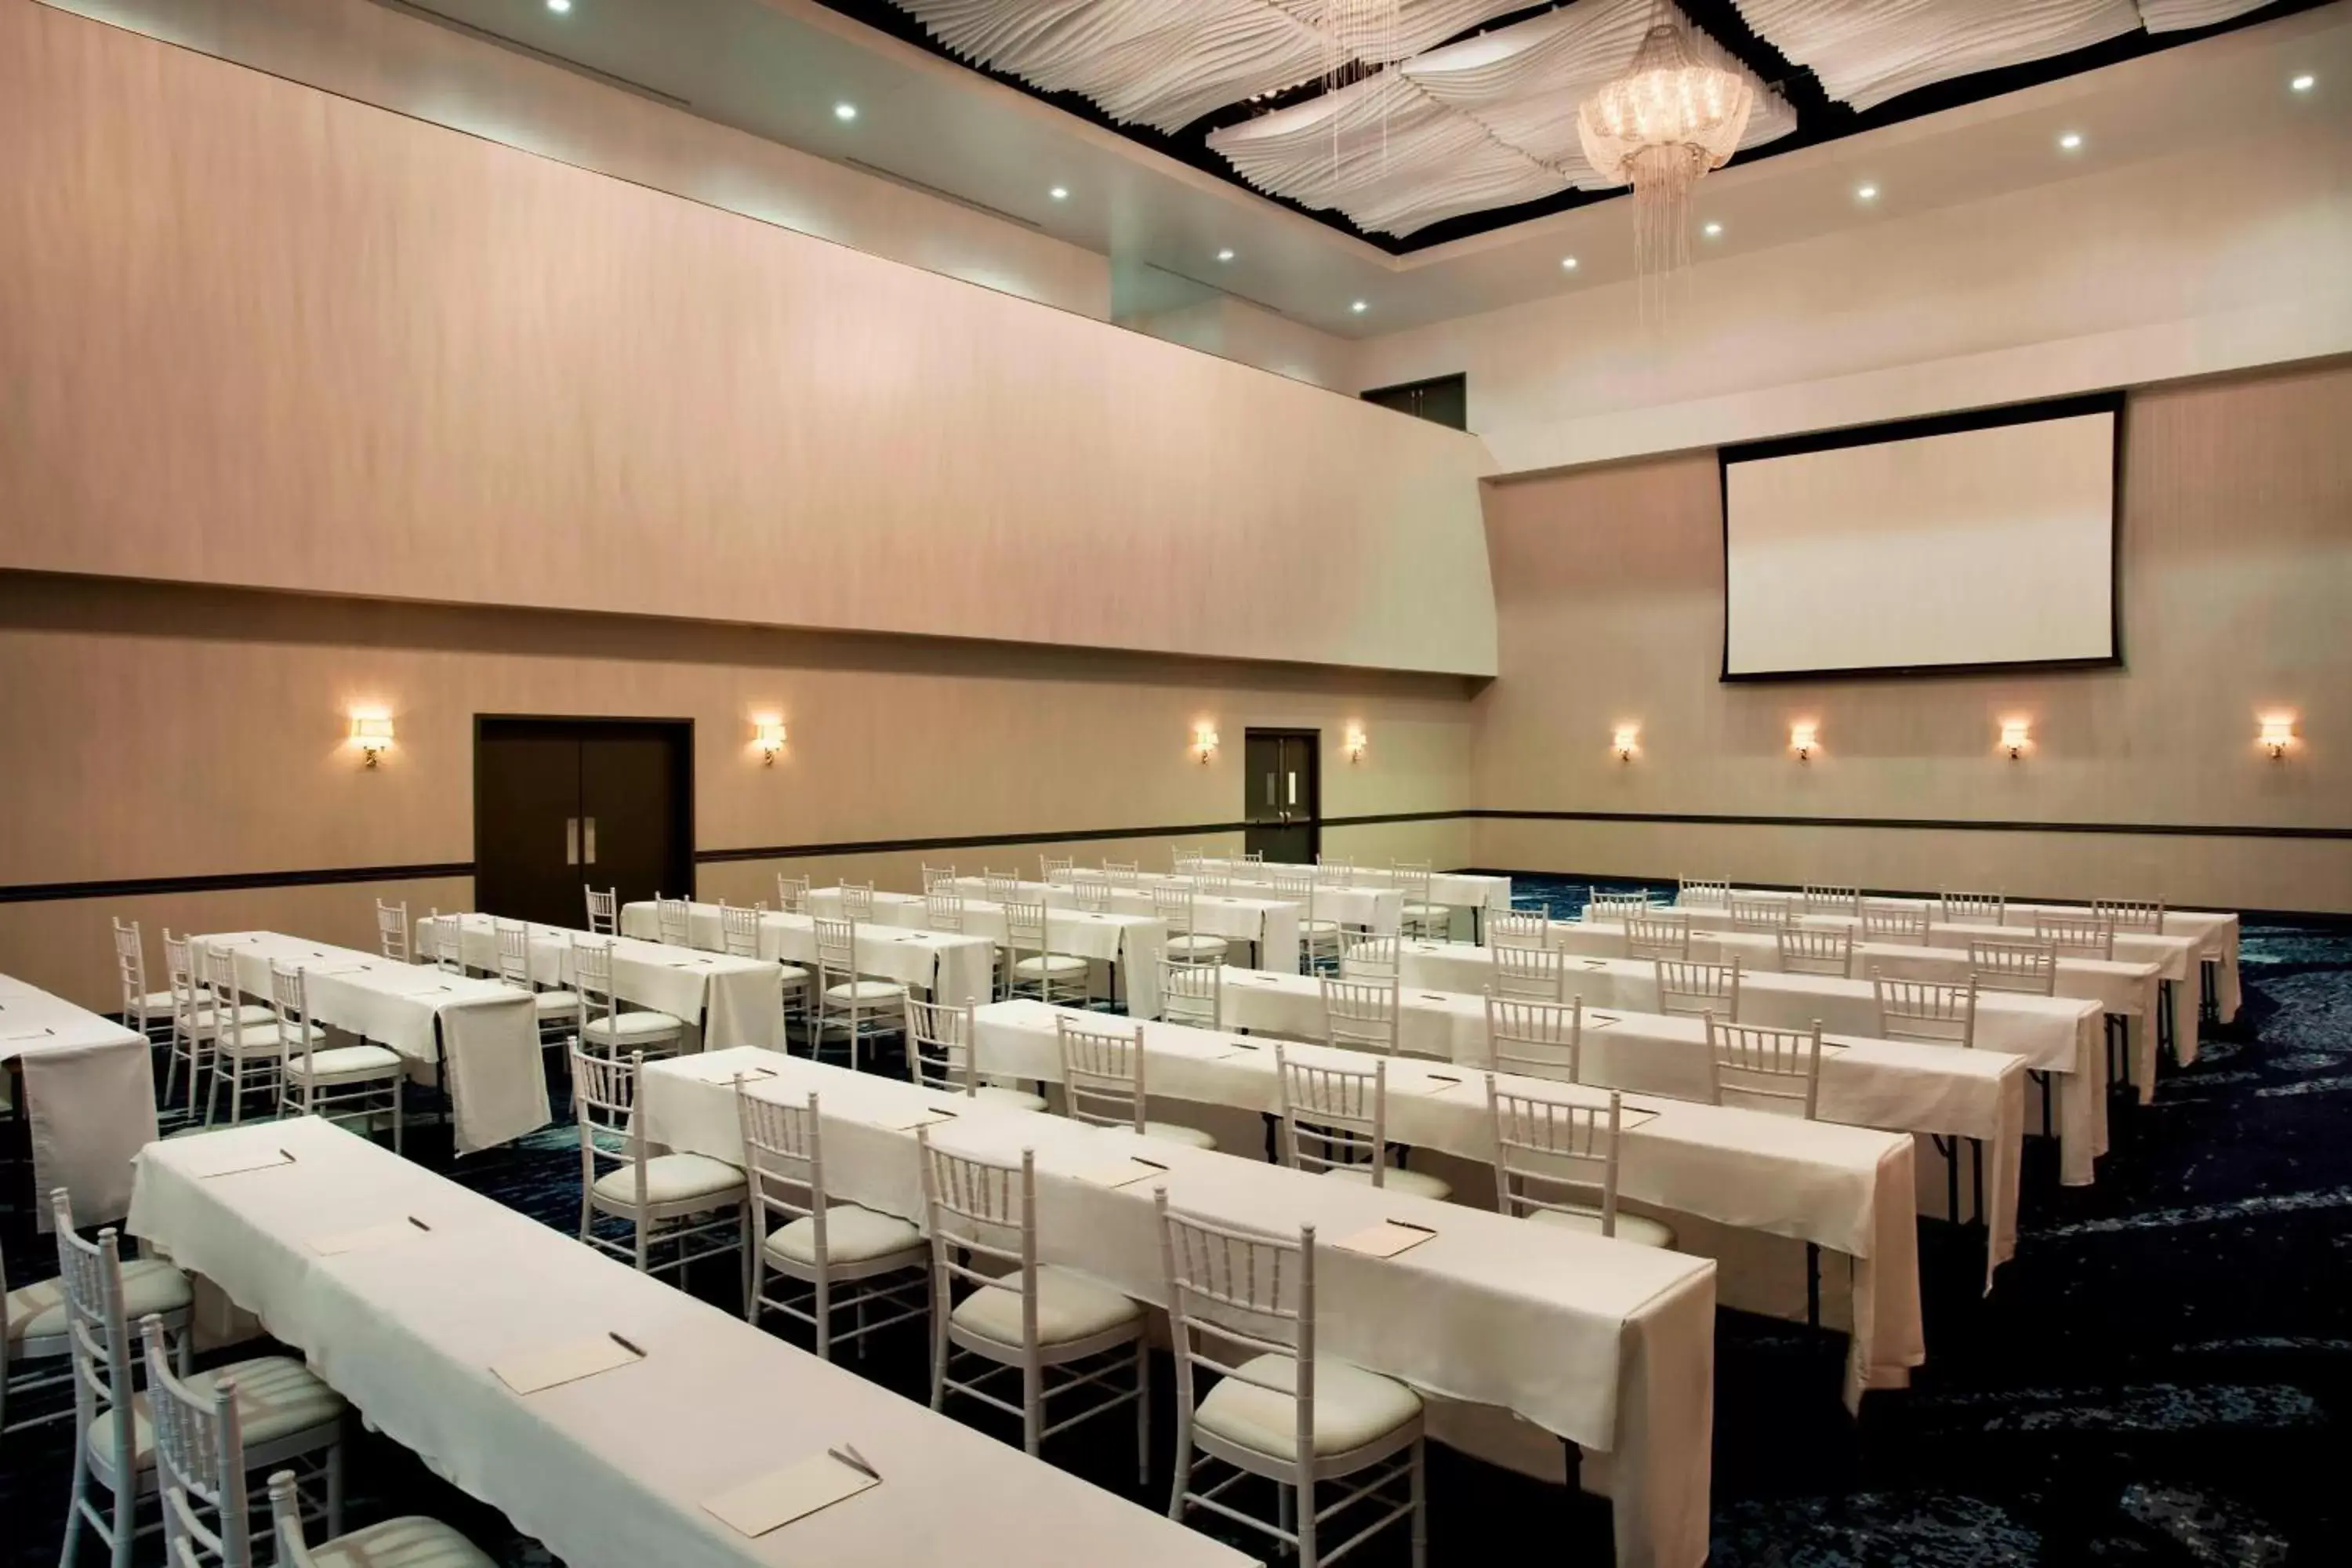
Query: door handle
point(592, 840)
point(1269, 790)
point(572, 841)
point(1294, 789)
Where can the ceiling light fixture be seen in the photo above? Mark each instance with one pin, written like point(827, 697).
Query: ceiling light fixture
point(1865, 193)
point(1224, 255)
point(2305, 82)
point(1567, 264)
point(2069, 142)
point(1359, 307)
point(1660, 127)
point(1060, 192)
point(1713, 231)
point(558, 7)
point(844, 111)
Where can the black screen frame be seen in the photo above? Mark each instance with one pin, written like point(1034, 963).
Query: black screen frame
point(2110, 402)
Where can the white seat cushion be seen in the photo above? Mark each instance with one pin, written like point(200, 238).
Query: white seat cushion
point(276, 1396)
point(1053, 963)
point(267, 1040)
point(1319, 928)
point(633, 1029)
point(1420, 1184)
point(554, 1004)
point(863, 991)
point(1426, 911)
point(346, 1064)
point(1003, 1095)
point(794, 975)
point(156, 1002)
point(1258, 1406)
point(1069, 1307)
point(1196, 945)
point(851, 1235)
point(37, 1311)
point(1639, 1229)
point(673, 1179)
point(1191, 1137)
point(411, 1542)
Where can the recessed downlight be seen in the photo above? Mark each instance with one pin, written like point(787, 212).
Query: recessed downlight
point(1224, 255)
point(1865, 193)
point(558, 7)
point(2070, 142)
point(1567, 264)
point(1361, 306)
point(1713, 231)
point(2305, 82)
point(1060, 192)
point(844, 111)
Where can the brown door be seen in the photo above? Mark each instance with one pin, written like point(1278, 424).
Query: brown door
point(1283, 808)
point(561, 804)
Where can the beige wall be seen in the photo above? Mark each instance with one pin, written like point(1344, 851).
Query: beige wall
point(260, 335)
point(161, 731)
point(2237, 564)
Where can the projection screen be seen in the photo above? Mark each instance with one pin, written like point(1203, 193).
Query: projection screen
point(1990, 545)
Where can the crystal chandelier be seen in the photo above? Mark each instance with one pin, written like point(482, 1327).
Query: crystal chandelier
point(1667, 121)
point(1360, 37)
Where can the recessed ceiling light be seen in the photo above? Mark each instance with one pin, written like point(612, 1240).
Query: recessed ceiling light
point(1567, 264)
point(844, 111)
point(558, 7)
point(1359, 307)
point(1865, 193)
point(2305, 82)
point(1224, 255)
point(2072, 140)
point(1713, 231)
point(1060, 192)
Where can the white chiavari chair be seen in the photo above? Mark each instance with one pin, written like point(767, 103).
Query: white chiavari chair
point(194, 1026)
point(792, 894)
point(1830, 898)
point(824, 1257)
point(442, 941)
point(1321, 943)
point(1703, 893)
point(1530, 974)
point(1535, 1039)
point(1360, 1015)
point(1172, 905)
point(1122, 873)
point(1241, 1306)
point(1036, 970)
point(2014, 963)
point(287, 1414)
point(1374, 958)
point(940, 1056)
point(849, 1002)
point(558, 1010)
point(392, 929)
point(1055, 1330)
point(1611, 905)
point(1191, 994)
point(934, 876)
point(1183, 860)
point(352, 1085)
point(1053, 868)
point(1693, 989)
point(1258, 857)
point(604, 911)
point(1884, 921)
point(1090, 892)
point(143, 1010)
point(1334, 1123)
point(1961, 909)
point(1423, 916)
point(35, 1351)
point(1103, 1081)
point(1519, 928)
point(1814, 950)
point(2076, 936)
point(857, 902)
point(246, 1057)
point(2127, 914)
point(690, 1207)
point(674, 921)
point(739, 937)
point(1556, 1164)
point(943, 909)
point(1762, 914)
point(1756, 1062)
point(606, 1026)
point(1939, 1013)
point(410, 1542)
point(1661, 934)
point(1213, 877)
point(1003, 887)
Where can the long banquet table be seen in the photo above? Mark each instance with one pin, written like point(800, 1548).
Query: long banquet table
point(2061, 1035)
point(946, 967)
point(612, 1470)
point(1456, 889)
point(1606, 1344)
point(485, 1034)
point(725, 1001)
point(88, 1098)
point(1128, 943)
point(1269, 924)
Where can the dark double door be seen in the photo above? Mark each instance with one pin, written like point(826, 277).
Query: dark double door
point(1283, 809)
point(561, 804)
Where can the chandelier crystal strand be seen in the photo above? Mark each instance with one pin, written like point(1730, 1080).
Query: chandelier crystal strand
point(1353, 31)
point(1659, 128)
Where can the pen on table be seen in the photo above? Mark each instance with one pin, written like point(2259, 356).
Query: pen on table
point(288, 1153)
point(856, 1461)
point(418, 1222)
point(625, 1344)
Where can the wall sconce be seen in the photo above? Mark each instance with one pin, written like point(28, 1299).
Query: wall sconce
point(1204, 741)
point(1803, 739)
point(1355, 743)
point(2277, 734)
point(1626, 742)
point(371, 733)
point(2015, 736)
point(768, 735)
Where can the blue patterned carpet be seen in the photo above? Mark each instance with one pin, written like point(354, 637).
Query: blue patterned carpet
point(2163, 1376)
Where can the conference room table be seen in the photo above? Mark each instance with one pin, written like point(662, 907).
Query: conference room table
point(2125, 989)
point(2061, 1035)
point(86, 1087)
point(943, 966)
point(1128, 944)
point(1606, 1344)
point(1845, 1188)
point(723, 1000)
point(483, 1032)
point(409, 1295)
point(1456, 889)
point(1270, 925)
point(1378, 909)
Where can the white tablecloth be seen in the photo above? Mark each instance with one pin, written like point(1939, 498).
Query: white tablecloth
point(1129, 944)
point(724, 1001)
point(1456, 889)
point(1379, 910)
point(950, 969)
point(89, 1099)
point(612, 1470)
point(486, 1033)
point(2061, 1035)
point(1271, 925)
point(1607, 1344)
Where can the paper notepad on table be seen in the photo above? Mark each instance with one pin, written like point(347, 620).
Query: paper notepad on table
point(534, 1370)
point(929, 1116)
point(782, 1496)
point(209, 1163)
point(1385, 1239)
point(1120, 1172)
point(369, 1238)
